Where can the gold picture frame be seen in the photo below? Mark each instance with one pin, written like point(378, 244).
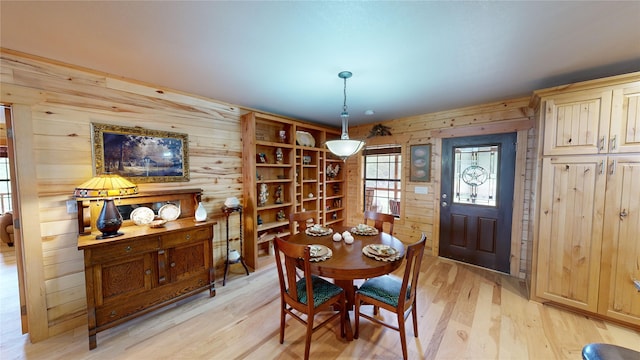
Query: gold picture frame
point(140, 155)
point(420, 166)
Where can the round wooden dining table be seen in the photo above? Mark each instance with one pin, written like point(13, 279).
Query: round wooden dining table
point(348, 263)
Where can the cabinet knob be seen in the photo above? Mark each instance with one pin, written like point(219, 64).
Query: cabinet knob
point(113, 314)
point(188, 236)
point(148, 272)
point(127, 249)
point(173, 264)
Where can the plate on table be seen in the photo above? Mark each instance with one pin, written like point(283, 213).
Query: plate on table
point(381, 252)
point(319, 252)
point(317, 230)
point(142, 216)
point(364, 229)
point(169, 212)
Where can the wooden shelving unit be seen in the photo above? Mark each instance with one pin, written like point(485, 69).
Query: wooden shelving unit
point(298, 176)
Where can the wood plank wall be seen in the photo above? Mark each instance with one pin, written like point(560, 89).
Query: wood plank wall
point(420, 212)
point(60, 102)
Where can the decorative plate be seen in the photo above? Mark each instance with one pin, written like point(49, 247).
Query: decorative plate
point(381, 252)
point(317, 230)
point(142, 215)
point(305, 139)
point(319, 252)
point(169, 212)
point(363, 229)
point(157, 223)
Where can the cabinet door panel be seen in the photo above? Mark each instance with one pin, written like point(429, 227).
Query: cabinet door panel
point(577, 123)
point(123, 278)
point(189, 260)
point(571, 219)
point(625, 120)
point(621, 251)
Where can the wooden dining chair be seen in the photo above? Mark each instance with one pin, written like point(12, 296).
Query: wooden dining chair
point(393, 294)
point(379, 219)
point(303, 219)
point(295, 294)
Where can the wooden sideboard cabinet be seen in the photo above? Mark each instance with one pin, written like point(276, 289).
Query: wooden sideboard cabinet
point(145, 269)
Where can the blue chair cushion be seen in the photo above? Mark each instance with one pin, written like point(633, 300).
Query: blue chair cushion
point(383, 288)
point(322, 290)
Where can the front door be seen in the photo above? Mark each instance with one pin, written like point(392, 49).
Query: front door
point(477, 199)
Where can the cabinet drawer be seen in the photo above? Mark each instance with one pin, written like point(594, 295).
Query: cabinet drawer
point(187, 236)
point(123, 248)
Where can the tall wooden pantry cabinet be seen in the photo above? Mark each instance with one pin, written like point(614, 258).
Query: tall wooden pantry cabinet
point(285, 167)
point(588, 247)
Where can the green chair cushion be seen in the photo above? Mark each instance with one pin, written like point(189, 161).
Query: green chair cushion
point(383, 288)
point(322, 290)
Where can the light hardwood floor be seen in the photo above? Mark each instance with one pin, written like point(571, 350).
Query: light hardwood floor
point(464, 313)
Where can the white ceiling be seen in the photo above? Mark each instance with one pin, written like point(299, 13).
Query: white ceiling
point(407, 58)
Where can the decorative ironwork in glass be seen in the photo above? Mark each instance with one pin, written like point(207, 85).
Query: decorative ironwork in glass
point(475, 175)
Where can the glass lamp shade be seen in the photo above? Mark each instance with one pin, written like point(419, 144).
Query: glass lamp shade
point(106, 186)
point(343, 148)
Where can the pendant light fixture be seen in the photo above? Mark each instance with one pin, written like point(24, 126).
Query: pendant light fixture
point(344, 147)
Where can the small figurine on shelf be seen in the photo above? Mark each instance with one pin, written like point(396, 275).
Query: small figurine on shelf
point(282, 134)
point(279, 156)
point(262, 158)
point(259, 220)
point(280, 215)
point(334, 216)
point(336, 189)
point(278, 195)
point(264, 195)
point(333, 171)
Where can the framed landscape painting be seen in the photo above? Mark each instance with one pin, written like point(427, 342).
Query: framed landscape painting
point(141, 155)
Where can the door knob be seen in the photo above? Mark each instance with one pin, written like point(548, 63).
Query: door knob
point(444, 204)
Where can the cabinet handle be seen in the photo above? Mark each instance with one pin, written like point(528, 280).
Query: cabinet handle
point(637, 284)
point(127, 249)
point(614, 142)
point(148, 272)
point(613, 167)
point(173, 264)
point(113, 314)
point(188, 237)
point(602, 143)
point(601, 167)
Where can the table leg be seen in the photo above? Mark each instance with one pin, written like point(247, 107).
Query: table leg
point(350, 293)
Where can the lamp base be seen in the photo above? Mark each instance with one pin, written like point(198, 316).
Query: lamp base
point(109, 220)
point(109, 236)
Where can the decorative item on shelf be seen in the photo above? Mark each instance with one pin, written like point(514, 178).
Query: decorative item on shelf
point(336, 189)
point(259, 220)
point(157, 223)
point(234, 255)
point(282, 135)
point(262, 158)
point(107, 186)
point(304, 138)
point(337, 203)
point(279, 156)
point(232, 202)
point(332, 171)
point(310, 195)
point(201, 212)
point(264, 195)
point(334, 216)
point(379, 130)
point(280, 216)
point(306, 160)
point(278, 194)
point(344, 147)
point(258, 176)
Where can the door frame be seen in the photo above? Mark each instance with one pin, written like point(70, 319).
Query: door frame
point(522, 128)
